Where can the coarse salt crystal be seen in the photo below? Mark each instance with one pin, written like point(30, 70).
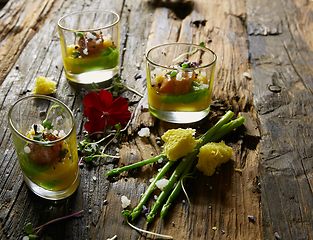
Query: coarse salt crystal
point(162, 183)
point(85, 51)
point(160, 160)
point(247, 75)
point(125, 202)
point(179, 76)
point(90, 36)
point(62, 133)
point(27, 149)
point(144, 132)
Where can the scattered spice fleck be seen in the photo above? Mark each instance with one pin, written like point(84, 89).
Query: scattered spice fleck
point(277, 236)
point(251, 218)
point(137, 76)
point(214, 228)
point(238, 170)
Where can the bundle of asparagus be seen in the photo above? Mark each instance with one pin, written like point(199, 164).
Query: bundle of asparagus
point(185, 167)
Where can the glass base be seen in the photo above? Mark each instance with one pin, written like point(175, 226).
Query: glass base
point(179, 116)
point(102, 77)
point(51, 195)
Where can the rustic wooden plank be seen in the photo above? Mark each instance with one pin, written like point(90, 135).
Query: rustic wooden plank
point(272, 36)
point(243, 194)
point(19, 21)
point(280, 47)
point(98, 219)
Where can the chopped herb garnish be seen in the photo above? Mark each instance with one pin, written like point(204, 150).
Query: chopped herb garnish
point(173, 74)
point(63, 153)
point(202, 44)
point(76, 53)
point(48, 125)
point(38, 137)
point(80, 34)
point(185, 65)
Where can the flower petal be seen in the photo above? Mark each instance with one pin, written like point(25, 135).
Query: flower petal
point(92, 99)
point(98, 125)
point(92, 113)
point(118, 112)
point(105, 98)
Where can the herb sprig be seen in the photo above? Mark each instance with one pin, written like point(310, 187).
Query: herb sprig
point(33, 232)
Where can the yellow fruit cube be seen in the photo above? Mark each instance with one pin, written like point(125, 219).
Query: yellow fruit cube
point(178, 143)
point(44, 86)
point(212, 155)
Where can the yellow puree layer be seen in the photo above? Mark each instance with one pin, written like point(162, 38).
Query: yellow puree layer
point(75, 65)
point(63, 173)
point(155, 100)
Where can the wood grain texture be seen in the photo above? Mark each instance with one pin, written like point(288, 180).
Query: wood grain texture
point(281, 63)
point(271, 40)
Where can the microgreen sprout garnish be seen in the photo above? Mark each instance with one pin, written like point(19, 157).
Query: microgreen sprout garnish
point(48, 125)
point(52, 107)
point(127, 213)
point(91, 150)
point(115, 85)
point(202, 44)
point(33, 232)
point(106, 118)
point(187, 53)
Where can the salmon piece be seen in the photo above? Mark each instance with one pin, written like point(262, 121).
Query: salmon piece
point(90, 43)
point(171, 85)
point(43, 154)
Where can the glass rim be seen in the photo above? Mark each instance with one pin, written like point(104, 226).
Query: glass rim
point(35, 141)
point(88, 11)
point(176, 43)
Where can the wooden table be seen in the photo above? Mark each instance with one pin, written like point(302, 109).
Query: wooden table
point(271, 40)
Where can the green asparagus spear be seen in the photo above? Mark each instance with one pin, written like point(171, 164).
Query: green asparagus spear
point(219, 134)
point(138, 164)
point(189, 159)
point(150, 189)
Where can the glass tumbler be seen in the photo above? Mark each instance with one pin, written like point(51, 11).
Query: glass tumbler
point(180, 81)
point(90, 44)
point(44, 135)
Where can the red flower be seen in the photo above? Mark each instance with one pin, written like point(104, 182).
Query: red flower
point(102, 111)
